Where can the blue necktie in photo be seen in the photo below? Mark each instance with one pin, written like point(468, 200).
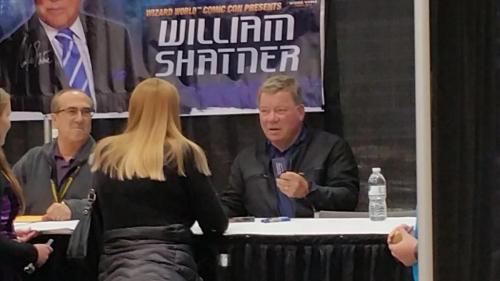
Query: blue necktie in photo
point(72, 62)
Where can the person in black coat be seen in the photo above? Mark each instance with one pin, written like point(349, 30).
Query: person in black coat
point(15, 253)
point(159, 180)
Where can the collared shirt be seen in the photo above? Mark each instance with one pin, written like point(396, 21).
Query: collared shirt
point(81, 43)
point(62, 166)
point(274, 152)
point(286, 205)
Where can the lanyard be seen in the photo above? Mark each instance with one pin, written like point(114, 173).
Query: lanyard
point(58, 196)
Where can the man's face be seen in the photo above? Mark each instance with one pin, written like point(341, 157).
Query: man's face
point(72, 118)
point(280, 118)
point(58, 13)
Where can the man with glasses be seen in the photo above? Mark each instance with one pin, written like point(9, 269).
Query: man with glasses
point(56, 177)
point(296, 170)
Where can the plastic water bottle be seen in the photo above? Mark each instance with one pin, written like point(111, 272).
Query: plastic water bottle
point(377, 207)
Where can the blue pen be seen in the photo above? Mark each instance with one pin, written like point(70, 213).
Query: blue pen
point(275, 219)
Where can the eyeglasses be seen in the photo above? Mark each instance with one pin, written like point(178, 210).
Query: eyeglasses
point(86, 112)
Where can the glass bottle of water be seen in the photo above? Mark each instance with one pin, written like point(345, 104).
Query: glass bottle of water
point(377, 207)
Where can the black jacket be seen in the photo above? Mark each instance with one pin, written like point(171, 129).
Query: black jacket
point(148, 253)
point(31, 73)
point(325, 160)
point(149, 237)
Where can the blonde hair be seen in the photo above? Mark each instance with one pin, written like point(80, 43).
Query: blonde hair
point(4, 165)
point(151, 139)
point(281, 82)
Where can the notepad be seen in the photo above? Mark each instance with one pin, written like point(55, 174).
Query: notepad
point(28, 219)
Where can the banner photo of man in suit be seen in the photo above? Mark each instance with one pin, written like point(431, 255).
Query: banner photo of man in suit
point(216, 52)
point(60, 47)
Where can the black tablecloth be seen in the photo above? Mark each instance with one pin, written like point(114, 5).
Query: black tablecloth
point(299, 258)
point(265, 258)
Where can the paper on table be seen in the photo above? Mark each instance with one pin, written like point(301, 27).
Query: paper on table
point(309, 226)
point(62, 227)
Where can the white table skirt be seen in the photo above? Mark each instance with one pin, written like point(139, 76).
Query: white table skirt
point(330, 226)
point(304, 226)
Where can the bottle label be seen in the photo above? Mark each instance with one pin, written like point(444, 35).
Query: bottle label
point(376, 190)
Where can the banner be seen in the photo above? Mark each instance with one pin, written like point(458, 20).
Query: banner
point(216, 53)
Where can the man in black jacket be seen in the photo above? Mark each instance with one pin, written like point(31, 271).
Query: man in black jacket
point(296, 170)
point(34, 62)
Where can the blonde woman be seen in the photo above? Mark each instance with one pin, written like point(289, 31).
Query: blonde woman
point(15, 253)
point(152, 183)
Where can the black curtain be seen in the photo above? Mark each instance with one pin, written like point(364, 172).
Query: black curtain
point(465, 99)
point(333, 113)
point(370, 63)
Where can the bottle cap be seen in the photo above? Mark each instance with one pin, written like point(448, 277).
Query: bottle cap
point(376, 170)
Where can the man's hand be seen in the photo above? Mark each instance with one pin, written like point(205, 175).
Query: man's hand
point(57, 212)
point(293, 185)
point(25, 235)
point(403, 245)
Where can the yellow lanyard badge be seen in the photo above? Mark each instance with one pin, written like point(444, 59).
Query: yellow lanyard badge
point(58, 196)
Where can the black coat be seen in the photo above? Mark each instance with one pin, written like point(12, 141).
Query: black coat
point(148, 253)
point(149, 237)
point(325, 160)
point(13, 255)
point(32, 74)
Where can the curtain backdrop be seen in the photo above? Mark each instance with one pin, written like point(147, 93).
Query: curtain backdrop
point(465, 65)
